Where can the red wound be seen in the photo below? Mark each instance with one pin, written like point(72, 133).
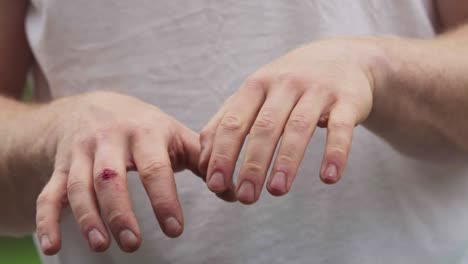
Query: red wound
point(107, 174)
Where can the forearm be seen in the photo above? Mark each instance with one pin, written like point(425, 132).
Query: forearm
point(26, 159)
point(421, 94)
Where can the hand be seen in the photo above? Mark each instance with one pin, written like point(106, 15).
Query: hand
point(329, 83)
point(99, 137)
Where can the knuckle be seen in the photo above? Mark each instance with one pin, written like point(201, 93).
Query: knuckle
point(74, 185)
point(152, 170)
point(41, 222)
point(331, 96)
point(288, 156)
point(325, 90)
point(253, 168)
point(84, 141)
point(43, 199)
point(256, 83)
point(63, 170)
point(231, 123)
point(103, 132)
point(105, 177)
point(323, 84)
point(292, 80)
point(219, 159)
point(149, 178)
point(300, 123)
point(265, 122)
point(143, 129)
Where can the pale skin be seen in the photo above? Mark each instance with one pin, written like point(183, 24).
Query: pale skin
point(402, 89)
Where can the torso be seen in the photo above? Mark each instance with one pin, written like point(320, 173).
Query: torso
point(186, 57)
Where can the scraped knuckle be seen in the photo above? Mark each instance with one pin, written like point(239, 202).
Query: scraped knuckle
point(104, 178)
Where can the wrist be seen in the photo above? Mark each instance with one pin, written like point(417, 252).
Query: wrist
point(399, 61)
point(53, 121)
point(34, 136)
point(381, 64)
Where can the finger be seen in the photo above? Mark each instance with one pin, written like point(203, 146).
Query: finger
point(263, 138)
point(207, 136)
point(339, 137)
point(83, 202)
point(154, 166)
point(110, 185)
point(48, 210)
point(231, 133)
point(206, 142)
point(296, 136)
point(191, 148)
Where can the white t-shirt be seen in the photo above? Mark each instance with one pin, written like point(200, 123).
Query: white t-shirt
point(186, 57)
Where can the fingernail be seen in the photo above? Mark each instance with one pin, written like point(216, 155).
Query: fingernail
point(216, 182)
point(172, 227)
point(278, 183)
point(96, 239)
point(128, 240)
point(45, 242)
point(246, 192)
point(331, 173)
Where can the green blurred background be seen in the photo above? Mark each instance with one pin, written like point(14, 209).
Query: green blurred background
point(19, 250)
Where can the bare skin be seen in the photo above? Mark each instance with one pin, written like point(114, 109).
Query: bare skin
point(412, 92)
point(88, 152)
point(76, 152)
point(81, 147)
